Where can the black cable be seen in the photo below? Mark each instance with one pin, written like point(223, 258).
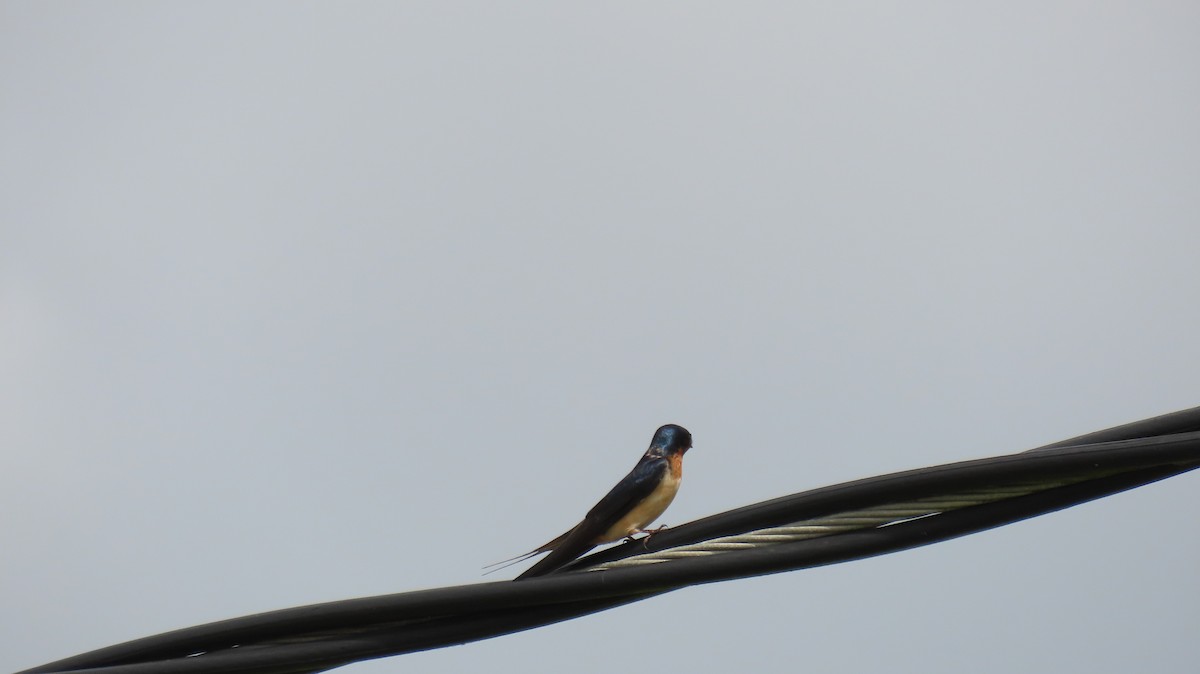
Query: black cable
point(323, 636)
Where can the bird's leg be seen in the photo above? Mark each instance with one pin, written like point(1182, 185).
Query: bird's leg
point(649, 532)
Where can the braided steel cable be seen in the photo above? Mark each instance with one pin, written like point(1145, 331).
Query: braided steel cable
point(838, 523)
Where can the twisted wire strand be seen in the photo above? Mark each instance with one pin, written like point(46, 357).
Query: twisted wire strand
point(838, 523)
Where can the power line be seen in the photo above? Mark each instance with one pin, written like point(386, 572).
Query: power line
point(824, 526)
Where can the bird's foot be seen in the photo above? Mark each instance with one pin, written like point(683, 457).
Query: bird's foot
point(649, 533)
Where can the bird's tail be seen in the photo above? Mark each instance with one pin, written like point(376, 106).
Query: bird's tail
point(520, 558)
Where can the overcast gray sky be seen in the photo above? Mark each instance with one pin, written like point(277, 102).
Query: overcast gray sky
point(308, 301)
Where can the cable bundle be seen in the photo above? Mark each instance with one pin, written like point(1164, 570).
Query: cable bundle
point(823, 526)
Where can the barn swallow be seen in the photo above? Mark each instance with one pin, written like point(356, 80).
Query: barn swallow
point(637, 500)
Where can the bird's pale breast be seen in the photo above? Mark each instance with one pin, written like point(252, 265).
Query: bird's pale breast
point(648, 510)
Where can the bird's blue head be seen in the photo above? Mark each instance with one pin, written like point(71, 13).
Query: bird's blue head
point(670, 439)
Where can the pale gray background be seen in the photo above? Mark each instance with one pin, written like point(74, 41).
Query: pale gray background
point(309, 301)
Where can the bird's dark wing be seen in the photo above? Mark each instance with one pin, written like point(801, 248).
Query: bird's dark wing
point(630, 491)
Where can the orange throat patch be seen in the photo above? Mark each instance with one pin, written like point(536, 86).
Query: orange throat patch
point(675, 462)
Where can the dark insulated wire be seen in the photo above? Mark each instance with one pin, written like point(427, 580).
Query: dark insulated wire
point(823, 526)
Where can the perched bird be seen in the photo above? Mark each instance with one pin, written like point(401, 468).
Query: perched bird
point(637, 500)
